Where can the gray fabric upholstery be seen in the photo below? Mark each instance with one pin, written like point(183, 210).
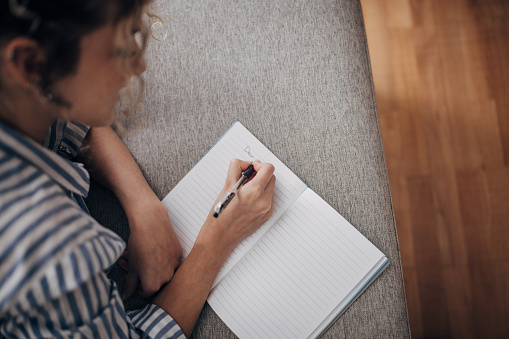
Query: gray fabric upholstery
point(297, 75)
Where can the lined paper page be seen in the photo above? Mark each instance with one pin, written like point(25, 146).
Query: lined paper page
point(190, 202)
point(309, 262)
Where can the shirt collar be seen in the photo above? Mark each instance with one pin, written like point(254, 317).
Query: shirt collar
point(70, 175)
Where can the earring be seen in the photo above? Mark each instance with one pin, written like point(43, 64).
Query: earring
point(47, 93)
point(50, 97)
point(44, 91)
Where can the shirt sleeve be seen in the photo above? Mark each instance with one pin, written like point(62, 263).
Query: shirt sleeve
point(94, 310)
point(65, 138)
point(154, 322)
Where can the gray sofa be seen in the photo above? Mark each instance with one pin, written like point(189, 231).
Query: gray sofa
point(297, 75)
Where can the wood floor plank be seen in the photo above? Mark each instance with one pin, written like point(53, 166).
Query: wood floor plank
point(460, 314)
point(498, 187)
point(493, 27)
point(486, 283)
point(433, 307)
point(488, 134)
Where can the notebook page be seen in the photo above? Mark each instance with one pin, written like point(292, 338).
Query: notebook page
point(190, 202)
point(306, 265)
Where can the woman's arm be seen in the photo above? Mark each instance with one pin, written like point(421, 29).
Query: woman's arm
point(184, 297)
point(154, 250)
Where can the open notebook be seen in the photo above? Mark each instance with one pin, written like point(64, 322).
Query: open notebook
point(298, 272)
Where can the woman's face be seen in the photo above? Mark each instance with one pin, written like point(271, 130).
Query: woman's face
point(104, 67)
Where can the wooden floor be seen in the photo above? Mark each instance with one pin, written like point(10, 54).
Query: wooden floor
point(441, 74)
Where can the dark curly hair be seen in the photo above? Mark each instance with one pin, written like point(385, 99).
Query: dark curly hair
point(58, 27)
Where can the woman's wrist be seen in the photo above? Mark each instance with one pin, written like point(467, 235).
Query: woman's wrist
point(213, 236)
point(139, 202)
point(183, 298)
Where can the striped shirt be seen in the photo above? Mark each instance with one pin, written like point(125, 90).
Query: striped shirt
point(53, 255)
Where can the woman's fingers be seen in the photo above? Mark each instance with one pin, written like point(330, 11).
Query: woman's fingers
point(264, 173)
point(235, 170)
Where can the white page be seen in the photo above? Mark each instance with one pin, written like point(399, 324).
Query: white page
point(189, 203)
point(308, 263)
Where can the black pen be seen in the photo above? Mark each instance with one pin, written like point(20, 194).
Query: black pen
point(229, 196)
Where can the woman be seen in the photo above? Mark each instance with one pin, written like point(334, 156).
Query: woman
point(62, 65)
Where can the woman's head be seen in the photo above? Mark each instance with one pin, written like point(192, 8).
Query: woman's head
point(54, 41)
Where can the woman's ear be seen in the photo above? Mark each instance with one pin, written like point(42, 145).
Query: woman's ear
point(23, 59)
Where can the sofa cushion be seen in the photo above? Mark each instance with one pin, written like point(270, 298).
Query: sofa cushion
point(297, 75)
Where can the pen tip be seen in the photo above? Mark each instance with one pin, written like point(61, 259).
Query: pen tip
point(216, 214)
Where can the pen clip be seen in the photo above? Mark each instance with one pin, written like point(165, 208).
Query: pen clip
point(248, 172)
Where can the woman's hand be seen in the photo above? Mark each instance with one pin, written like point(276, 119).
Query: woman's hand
point(247, 211)
point(153, 249)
